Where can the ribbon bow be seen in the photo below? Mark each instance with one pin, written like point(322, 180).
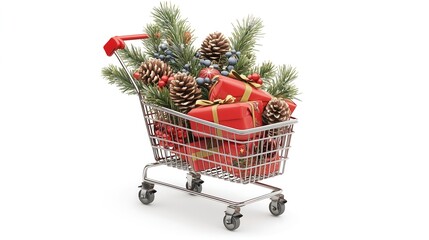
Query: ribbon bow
point(227, 100)
point(243, 78)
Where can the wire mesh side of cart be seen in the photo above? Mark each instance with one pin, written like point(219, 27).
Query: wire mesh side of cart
point(242, 156)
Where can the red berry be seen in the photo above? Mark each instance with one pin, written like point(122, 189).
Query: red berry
point(180, 133)
point(136, 75)
point(259, 81)
point(164, 78)
point(161, 84)
point(255, 77)
point(171, 129)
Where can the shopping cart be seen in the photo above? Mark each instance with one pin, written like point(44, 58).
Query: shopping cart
point(240, 156)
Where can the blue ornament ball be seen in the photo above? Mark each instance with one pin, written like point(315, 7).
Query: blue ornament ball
point(163, 46)
point(230, 68)
point(224, 73)
point(207, 80)
point(207, 62)
point(228, 54)
point(232, 60)
point(200, 81)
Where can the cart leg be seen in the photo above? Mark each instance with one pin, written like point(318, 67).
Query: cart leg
point(277, 205)
point(232, 218)
point(194, 182)
point(147, 193)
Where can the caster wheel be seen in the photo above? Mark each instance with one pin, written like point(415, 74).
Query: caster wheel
point(277, 208)
point(234, 224)
point(147, 196)
point(196, 187)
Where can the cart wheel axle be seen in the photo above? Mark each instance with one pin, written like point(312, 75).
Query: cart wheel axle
point(147, 193)
point(232, 222)
point(277, 208)
point(196, 187)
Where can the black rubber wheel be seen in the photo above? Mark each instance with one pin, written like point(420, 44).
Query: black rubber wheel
point(196, 187)
point(147, 198)
point(234, 224)
point(277, 208)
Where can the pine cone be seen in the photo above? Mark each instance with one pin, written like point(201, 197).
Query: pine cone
point(184, 92)
point(151, 71)
point(277, 110)
point(214, 47)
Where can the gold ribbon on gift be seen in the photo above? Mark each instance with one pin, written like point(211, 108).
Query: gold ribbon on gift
point(248, 84)
point(215, 104)
point(228, 99)
point(252, 111)
point(243, 78)
point(204, 154)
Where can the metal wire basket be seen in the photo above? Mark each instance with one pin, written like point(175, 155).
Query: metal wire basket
point(210, 149)
point(262, 155)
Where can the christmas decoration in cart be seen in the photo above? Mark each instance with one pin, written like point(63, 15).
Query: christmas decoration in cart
point(210, 110)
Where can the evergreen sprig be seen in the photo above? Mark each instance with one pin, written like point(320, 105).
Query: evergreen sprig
point(158, 96)
point(132, 56)
point(170, 28)
point(282, 85)
point(118, 76)
point(267, 71)
point(175, 30)
point(151, 44)
point(244, 39)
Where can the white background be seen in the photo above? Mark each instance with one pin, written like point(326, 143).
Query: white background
point(72, 147)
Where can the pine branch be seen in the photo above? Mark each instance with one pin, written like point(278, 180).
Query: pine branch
point(244, 39)
point(118, 76)
point(195, 67)
point(166, 14)
point(175, 30)
point(245, 63)
point(158, 97)
point(155, 38)
point(267, 71)
point(204, 93)
point(282, 85)
point(132, 56)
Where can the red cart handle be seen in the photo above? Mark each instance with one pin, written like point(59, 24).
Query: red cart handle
point(117, 42)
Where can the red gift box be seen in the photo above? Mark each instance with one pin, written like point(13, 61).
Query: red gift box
point(248, 160)
point(241, 115)
point(291, 105)
point(201, 155)
point(239, 87)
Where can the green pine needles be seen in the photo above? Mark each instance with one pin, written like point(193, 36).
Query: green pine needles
point(244, 39)
point(282, 85)
point(171, 30)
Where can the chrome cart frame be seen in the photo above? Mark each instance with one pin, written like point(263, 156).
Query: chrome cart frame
point(240, 156)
